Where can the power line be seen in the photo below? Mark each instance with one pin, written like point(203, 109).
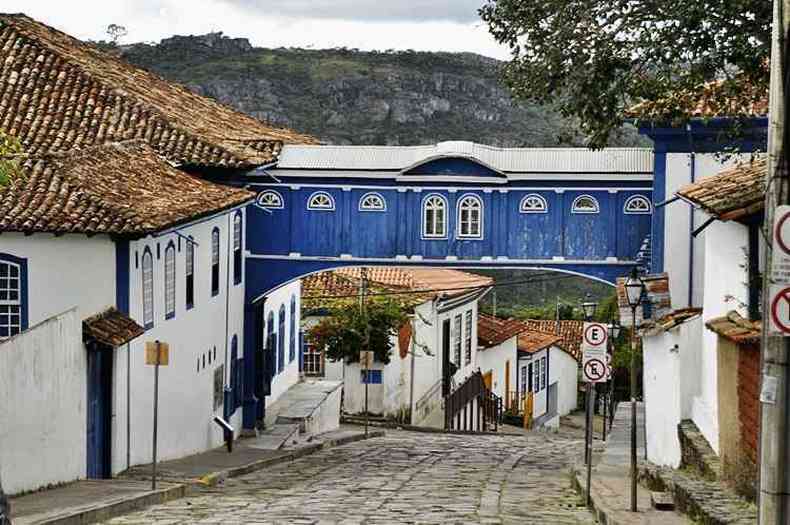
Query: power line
point(553, 275)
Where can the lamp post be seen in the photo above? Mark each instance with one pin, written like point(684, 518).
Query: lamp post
point(588, 308)
point(614, 333)
point(634, 290)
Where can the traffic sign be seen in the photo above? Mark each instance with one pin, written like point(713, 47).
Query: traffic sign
point(157, 353)
point(780, 309)
point(595, 337)
point(780, 257)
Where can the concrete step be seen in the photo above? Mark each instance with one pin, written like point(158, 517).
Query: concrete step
point(662, 501)
point(276, 437)
point(312, 405)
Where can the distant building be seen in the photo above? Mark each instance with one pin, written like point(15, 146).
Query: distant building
point(443, 320)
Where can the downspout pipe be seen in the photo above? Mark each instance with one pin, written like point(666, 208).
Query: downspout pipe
point(693, 175)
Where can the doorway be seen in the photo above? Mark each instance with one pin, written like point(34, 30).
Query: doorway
point(99, 417)
point(507, 384)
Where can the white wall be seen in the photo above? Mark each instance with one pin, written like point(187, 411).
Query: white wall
point(540, 399)
point(289, 376)
point(65, 272)
point(493, 360)
point(43, 386)
point(186, 388)
point(564, 370)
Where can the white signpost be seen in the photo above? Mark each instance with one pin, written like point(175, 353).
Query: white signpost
point(594, 342)
point(779, 287)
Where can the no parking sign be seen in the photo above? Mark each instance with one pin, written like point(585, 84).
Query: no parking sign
point(594, 342)
point(780, 274)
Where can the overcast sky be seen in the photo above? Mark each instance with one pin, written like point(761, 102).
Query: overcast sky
point(431, 25)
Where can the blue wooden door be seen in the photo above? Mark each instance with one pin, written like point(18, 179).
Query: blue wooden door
point(99, 413)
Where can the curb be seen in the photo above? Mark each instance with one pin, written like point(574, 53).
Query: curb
point(181, 490)
point(113, 509)
point(599, 511)
point(428, 430)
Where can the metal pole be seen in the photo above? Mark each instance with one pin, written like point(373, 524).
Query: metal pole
point(411, 384)
point(128, 408)
point(633, 409)
point(605, 400)
point(156, 414)
point(774, 485)
point(589, 438)
point(367, 381)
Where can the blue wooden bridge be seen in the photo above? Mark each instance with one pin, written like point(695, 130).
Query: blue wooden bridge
point(454, 204)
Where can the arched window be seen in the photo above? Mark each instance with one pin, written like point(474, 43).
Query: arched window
point(321, 201)
point(470, 217)
point(214, 261)
point(170, 281)
point(190, 274)
point(585, 204)
point(281, 341)
point(637, 205)
point(13, 316)
point(372, 202)
point(237, 248)
point(434, 216)
point(270, 200)
point(271, 341)
point(533, 203)
point(292, 332)
point(236, 373)
point(148, 289)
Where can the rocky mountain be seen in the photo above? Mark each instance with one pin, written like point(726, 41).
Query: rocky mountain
point(346, 96)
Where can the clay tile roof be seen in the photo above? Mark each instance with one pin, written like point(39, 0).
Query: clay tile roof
point(657, 290)
point(421, 281)
point(736, 192)
point(493, 331)
point(570, 333)
point(58, 93)
point(531, 341)
point(111, 328)
point(670, 320)
point(735, 328)
point(123, 188)
point(732, 98)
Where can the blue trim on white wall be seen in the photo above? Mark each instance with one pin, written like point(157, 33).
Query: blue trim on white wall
point(238, 272)
point(23, 288)
point(657, 223)
point(215, 234)
point(171, 315)
point(150, 324)
point(122, 276)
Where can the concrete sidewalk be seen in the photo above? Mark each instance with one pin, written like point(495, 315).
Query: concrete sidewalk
point(88, 501)
point(610, 489)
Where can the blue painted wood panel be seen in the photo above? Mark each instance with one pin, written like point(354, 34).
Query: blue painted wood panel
point(374, 233)
point(533, 235)
point(586, 234)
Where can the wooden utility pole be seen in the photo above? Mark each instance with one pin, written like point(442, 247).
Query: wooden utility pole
point(774, 484)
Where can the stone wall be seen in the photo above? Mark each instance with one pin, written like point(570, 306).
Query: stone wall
point(696, 452)
point(748, 398)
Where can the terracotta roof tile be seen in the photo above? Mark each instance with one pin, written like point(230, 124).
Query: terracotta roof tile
point(531, 341)
point(735, 328)
point(111, 328)
point(735, 192)
point(570, 332)
point(657, 289)
point(58, 93)
point(670, 320)
point(732, 98)
point(123, 188)
point(493, 331)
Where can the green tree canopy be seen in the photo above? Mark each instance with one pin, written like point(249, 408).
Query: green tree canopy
point(595, 58)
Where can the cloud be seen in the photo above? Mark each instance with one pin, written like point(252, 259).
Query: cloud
point(462, 11)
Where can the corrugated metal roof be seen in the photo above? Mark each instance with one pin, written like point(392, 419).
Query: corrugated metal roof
point(513, 160)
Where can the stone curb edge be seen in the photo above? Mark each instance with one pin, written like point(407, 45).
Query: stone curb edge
point(602, 514)
point(133, 503)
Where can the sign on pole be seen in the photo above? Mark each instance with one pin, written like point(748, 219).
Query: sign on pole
point(594, 344)
point(779, 289)
point(157, 354)
point(152, 348)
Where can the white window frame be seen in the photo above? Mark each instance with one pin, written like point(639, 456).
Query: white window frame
point(270, 200)
point(425, 202)
point(147, 280)
point(371, 204)
point(170, 281)
point(314, 206)
point(637, 198)
point(14, 305)
point(543, 208)
point(465, 200)
point(575, 206)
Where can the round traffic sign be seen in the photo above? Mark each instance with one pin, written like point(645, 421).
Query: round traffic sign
point(784, 243)
point(595, 334)
point(594, 370)
point(781, 319)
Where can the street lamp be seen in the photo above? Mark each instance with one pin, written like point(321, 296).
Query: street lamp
point(588, 307)
point(614, 333)
point(634, 291)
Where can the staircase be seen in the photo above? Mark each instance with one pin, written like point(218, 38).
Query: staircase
point(307, 409)
point(472, 406)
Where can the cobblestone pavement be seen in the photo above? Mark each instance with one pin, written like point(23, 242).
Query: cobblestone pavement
point(404, 477)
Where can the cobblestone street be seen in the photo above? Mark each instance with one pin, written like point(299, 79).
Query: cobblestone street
point(405, 477)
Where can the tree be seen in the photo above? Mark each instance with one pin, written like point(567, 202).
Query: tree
point(116, 32)
point(345, 332)
point(10, 157)
point(595, 58)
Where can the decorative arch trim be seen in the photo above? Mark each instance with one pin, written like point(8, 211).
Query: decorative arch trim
point(432, 221)
point(270, 200)
point(372, 201)
point(533, 203)
point(637, 205)
point(585, 204)
point(469, 217)
point(321, 201)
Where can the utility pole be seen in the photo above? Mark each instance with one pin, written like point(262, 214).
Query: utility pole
point(774, 356)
